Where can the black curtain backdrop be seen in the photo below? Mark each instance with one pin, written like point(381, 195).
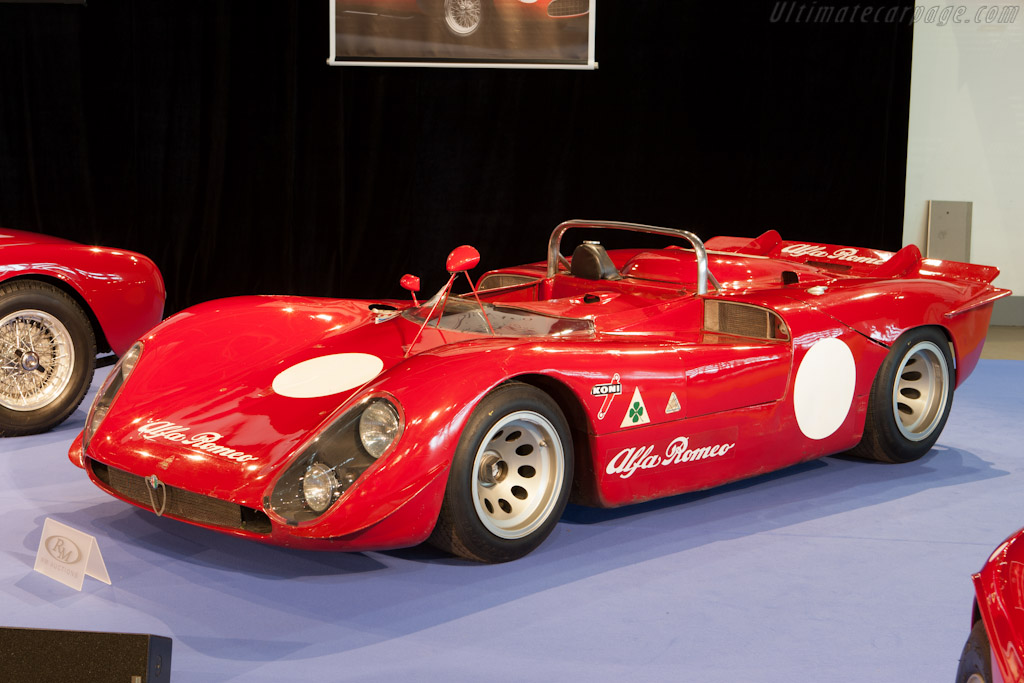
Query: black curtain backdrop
point(212, 136)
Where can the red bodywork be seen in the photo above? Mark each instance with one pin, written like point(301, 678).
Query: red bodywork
point(718, 400)
point(999, 587)
point(123, 291)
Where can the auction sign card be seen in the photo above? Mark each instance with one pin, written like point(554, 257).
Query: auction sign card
point(67, 555)
point(542, 34)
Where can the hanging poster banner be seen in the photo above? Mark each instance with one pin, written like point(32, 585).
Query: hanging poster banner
point(539, 34)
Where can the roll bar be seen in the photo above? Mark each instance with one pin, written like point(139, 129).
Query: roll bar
point(703, 274)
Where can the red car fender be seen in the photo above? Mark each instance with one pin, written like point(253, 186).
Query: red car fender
point(999, 588)
point(122, 289)
point(76, 454)
point(884, 316)
point(441, 390)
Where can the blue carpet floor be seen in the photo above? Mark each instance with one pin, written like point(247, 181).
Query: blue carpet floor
point(835, 570)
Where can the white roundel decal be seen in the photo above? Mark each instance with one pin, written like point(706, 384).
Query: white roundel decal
point(823, 390)
point(327, 375)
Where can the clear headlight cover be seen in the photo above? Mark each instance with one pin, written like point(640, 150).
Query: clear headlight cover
point(378, 426)
point(331, 463)
point(111, 386)
point(319, 486)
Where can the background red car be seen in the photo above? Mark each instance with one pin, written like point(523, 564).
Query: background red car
point(60, 303)
point(994, 651)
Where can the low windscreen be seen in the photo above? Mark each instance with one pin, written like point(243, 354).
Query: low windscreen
point(464, 315)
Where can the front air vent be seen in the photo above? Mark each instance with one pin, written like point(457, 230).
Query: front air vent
point(743, 320)
point(568, 8)
point(182, 504)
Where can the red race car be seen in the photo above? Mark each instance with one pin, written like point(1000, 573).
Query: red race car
point(60, 303)
point(614, 377)
point(994, 652)
point(464, 18)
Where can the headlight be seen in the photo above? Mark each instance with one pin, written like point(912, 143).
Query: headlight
point(332, 462)
point(111, 386)
point(130, 358)
point(378, 427)
point(319, 486)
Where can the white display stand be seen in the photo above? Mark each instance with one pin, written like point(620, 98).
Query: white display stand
point(67, 555)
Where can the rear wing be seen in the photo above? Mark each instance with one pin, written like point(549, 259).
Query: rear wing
point(855, 261)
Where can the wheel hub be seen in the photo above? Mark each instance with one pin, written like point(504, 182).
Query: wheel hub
point(29, 360)
point(519, 472)
point(492, 470)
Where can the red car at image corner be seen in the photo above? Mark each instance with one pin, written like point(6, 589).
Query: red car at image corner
point(60, 303)
point(994, 652)
point(464, 18)
point(617, 377)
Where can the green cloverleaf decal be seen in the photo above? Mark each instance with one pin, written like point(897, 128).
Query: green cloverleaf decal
point(636, 412)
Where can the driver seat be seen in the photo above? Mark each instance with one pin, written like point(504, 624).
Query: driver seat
point(590, 261)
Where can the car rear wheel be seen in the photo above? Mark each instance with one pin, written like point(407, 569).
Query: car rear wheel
point(910, 398)
point(976, 658)
point(47, 357)
point(510, 477)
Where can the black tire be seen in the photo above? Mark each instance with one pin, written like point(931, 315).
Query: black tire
point(910, 398)
point(47, 357)
point(510, 477)
point(976, 658)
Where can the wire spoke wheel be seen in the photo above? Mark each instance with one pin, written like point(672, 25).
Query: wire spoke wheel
point(921, 391)
point(520, 468)
point(463, 17)
point(37, 357)
point(47, 356)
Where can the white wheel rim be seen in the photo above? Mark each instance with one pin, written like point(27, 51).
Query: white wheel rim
point(463, 16)
point(517, 474)
point(37, 357)
point(976, 678)
point(921, 390)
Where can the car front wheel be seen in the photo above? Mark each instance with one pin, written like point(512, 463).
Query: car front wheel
point(47, 357)
point(510, 477)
